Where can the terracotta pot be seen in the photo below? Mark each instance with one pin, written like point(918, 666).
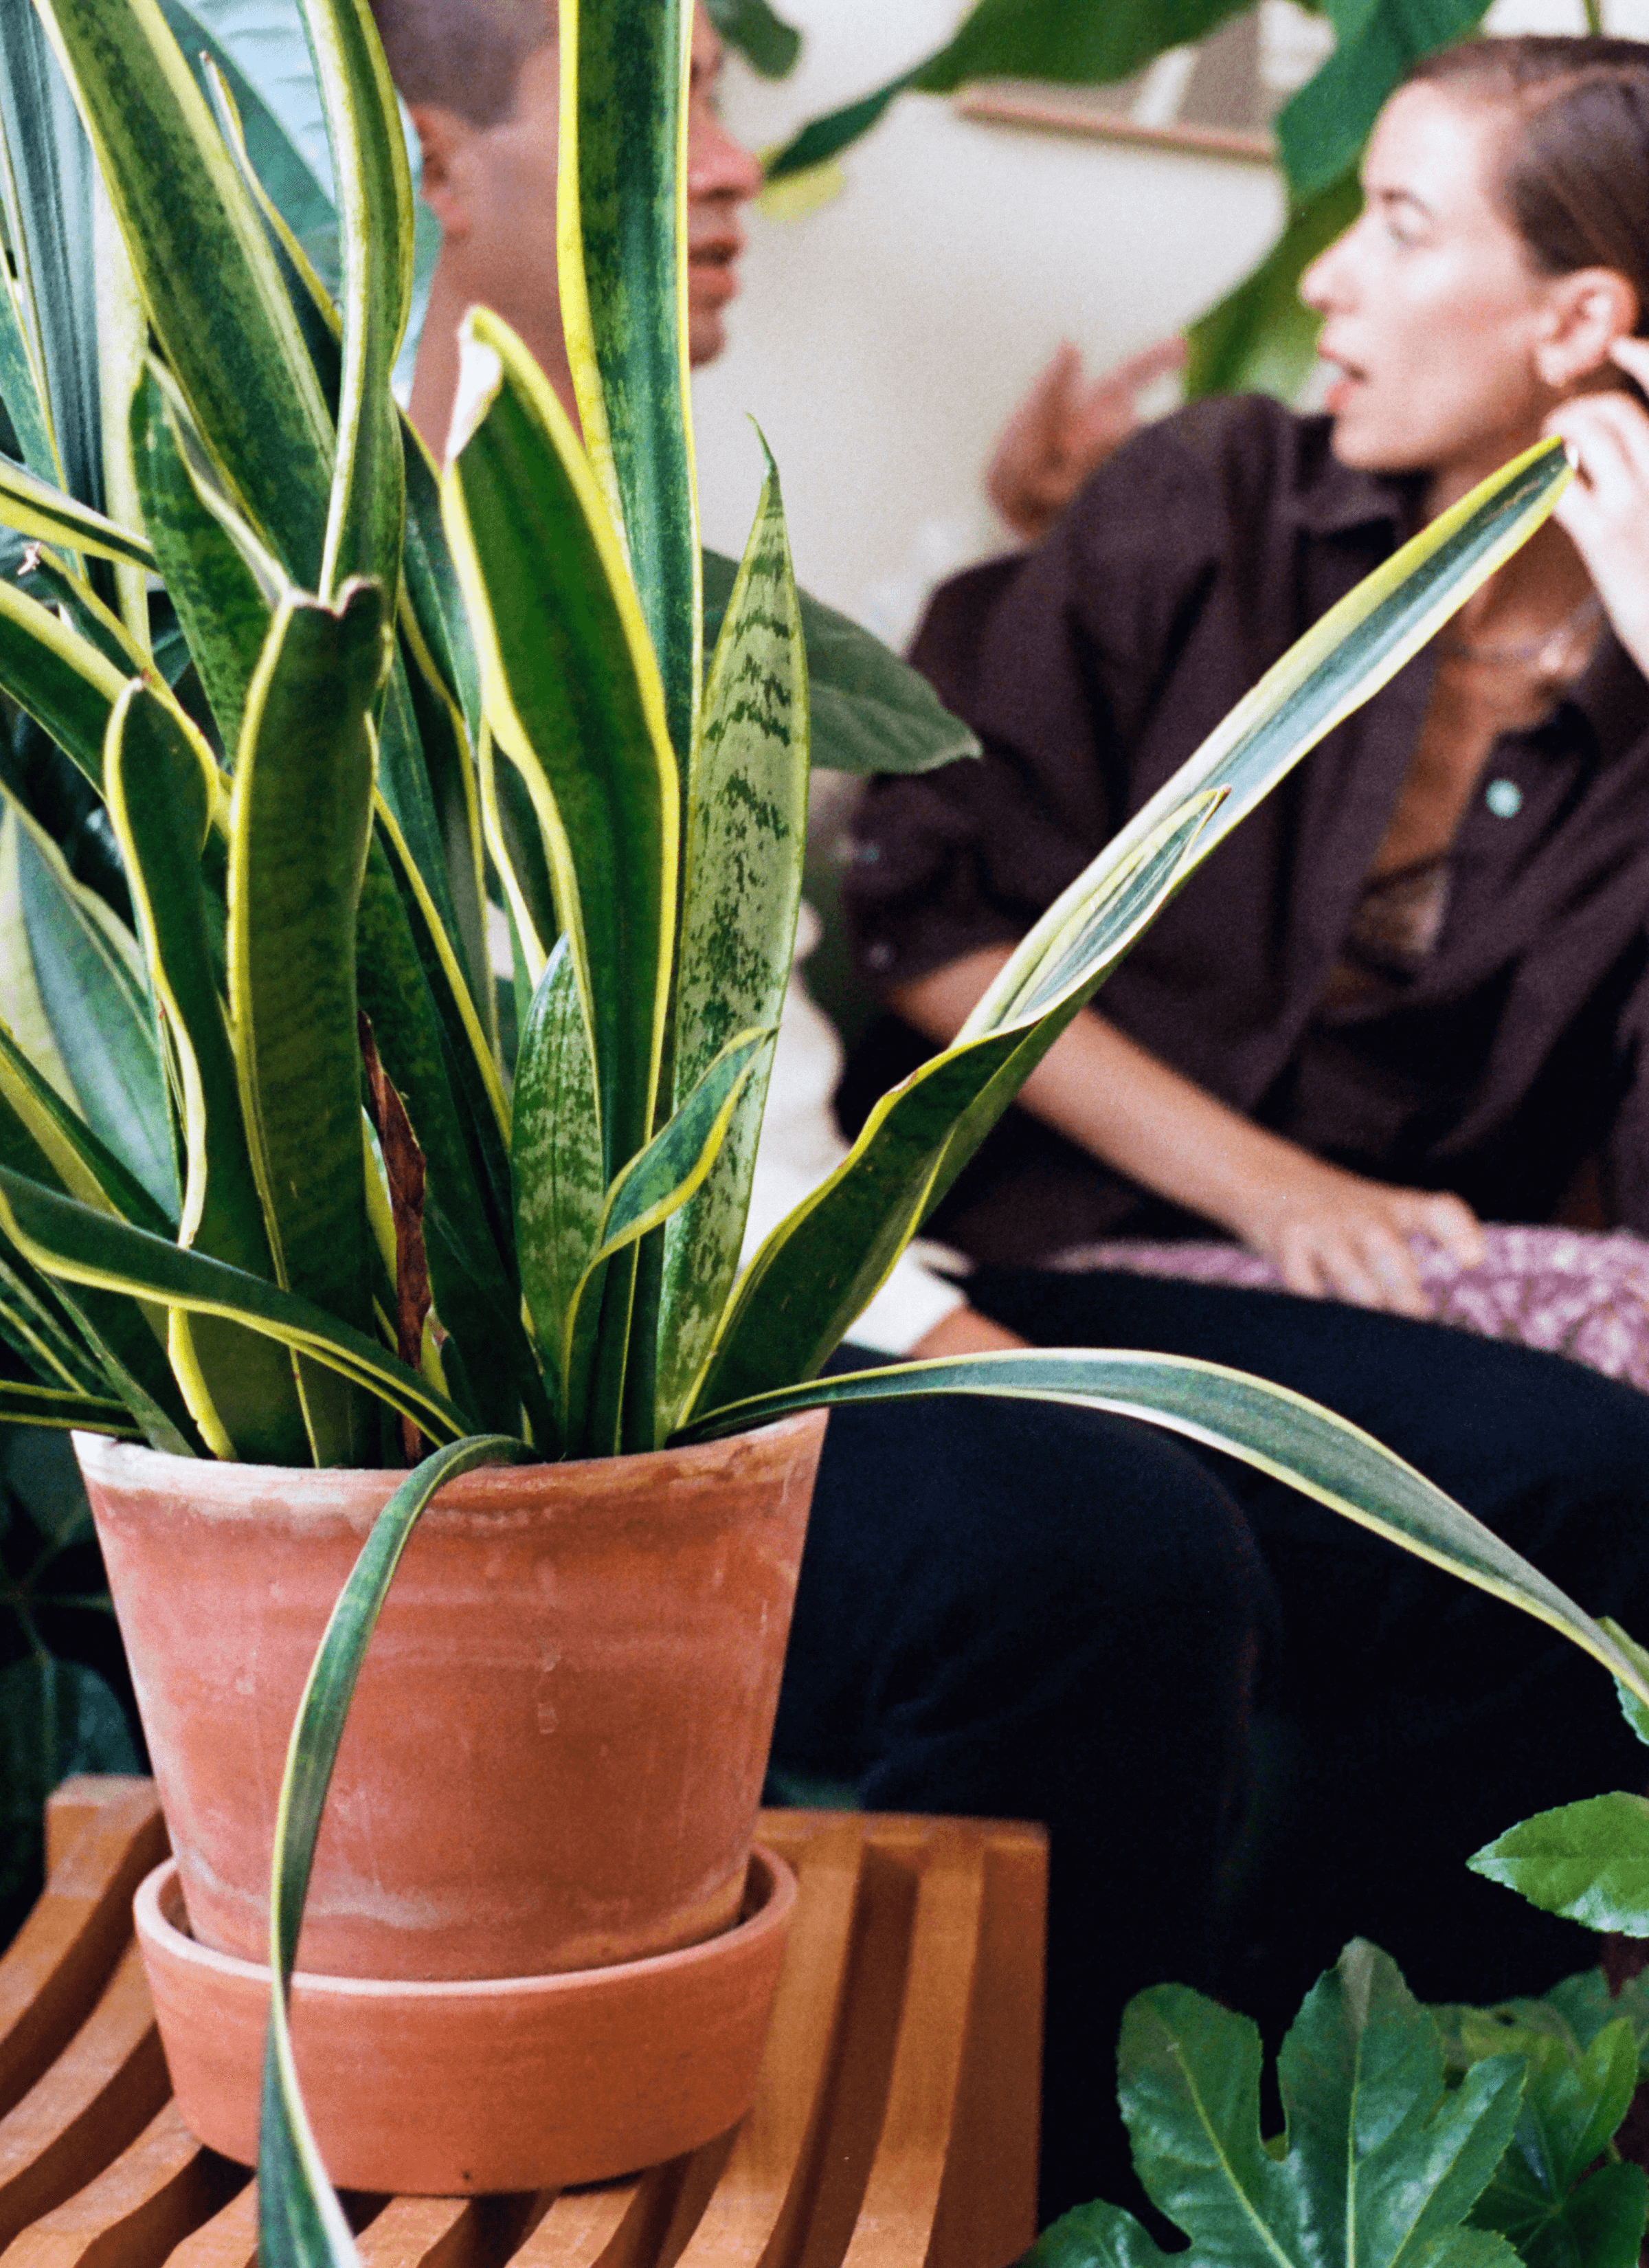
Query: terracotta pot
point(510, 2083)
point(555, 1752)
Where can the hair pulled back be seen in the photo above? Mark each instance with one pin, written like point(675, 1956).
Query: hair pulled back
point(1574, 171)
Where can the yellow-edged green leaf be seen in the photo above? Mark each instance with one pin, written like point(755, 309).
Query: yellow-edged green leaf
point(824, 1263)
point(573, 696)
point(224, 599)
point(1268, 1426)
point(558, 1162)
point(208, 280)
point(58, 678)
point(86, 1168)
point(374, 199)
point(746, 835)
point(47, 1405)
point(621, 264)
point(122, 343)
point(33, 507)
point(76, 1246)
point(674, 1163)
point(300, 827)
point(300, 2222)
point(241, 1388)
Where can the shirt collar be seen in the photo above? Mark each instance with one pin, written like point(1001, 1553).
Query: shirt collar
point(1331, 498)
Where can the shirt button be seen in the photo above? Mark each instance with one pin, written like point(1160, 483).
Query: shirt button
point(1503, 798)
point(867, 854)
point(880, 955)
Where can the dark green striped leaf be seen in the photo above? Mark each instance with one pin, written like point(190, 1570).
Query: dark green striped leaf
point(624, 280)
point(557, 1163)
point(301, 822)
point(48, 1405)
point(746, 832)
point(58, 678)
point(34, 507)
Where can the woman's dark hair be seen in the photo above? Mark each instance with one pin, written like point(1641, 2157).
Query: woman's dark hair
point(1574, 178)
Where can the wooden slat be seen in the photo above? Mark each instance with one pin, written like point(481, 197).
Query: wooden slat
point(102, 1837)
point(99, 2096)
point(620, 2225)
point(900, 2201)
point(228, 2240)
point(157, 2190)
point(756, 2208)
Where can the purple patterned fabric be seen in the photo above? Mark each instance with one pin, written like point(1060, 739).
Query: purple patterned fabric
point(1569, 1291)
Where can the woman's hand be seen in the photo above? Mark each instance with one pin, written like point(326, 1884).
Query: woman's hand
point(1337, 1236)
point(1605, 509)
point(1064, 428)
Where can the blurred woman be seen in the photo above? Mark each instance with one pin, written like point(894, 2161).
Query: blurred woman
point(1410, 993)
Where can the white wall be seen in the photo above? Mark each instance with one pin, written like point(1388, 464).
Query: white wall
point(882, 339)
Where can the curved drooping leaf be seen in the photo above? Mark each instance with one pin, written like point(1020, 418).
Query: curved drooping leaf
point(868, 712)
point(621, 271)
point(300, 2222)
point(240, 1387)
point(300, 826)
point(76, 1246)
point(58, 678)
point(1275, 1430)
point(86, 1168)
point(746, 831)
point(207, 275)
point(573, 696)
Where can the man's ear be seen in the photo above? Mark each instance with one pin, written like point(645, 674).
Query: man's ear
point(446, 140)
point(1587, 311)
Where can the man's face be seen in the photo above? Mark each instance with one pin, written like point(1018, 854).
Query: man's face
point(721, 177)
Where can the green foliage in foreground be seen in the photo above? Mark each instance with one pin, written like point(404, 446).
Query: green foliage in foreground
point(1458, 2139)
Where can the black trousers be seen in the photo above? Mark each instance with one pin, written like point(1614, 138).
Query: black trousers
point(1253, 1729)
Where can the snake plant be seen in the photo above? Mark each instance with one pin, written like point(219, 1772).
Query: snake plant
point(275, 1181)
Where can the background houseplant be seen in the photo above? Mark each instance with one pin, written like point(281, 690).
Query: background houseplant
point(308, 803)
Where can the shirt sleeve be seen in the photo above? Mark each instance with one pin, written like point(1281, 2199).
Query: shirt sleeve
point(1053, 656)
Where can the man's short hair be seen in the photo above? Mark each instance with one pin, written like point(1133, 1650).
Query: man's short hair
point(464, 55)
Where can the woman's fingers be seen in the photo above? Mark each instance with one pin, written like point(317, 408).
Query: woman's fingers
point(1632, 355)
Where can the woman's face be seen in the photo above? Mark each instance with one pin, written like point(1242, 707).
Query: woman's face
point(1433, 309)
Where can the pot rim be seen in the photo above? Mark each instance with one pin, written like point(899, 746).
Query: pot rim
point(770, 1894)
point(106, 1458)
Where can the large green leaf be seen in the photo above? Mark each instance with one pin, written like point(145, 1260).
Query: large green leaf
point(1589, 1861)
point(57, 677)
point(622, 267)
point(1378, 2163)
point(34, 507)
point(1321, 132)
point(77, 1160)
point(75, 1246)
point(1545, 2198)
point(240, 1387)
point(1074, 42)
point(765, 41)
point(558, 1163)
point(300, 2222)
point(301, 823)
point(208, 277)
point(746, 833)
point(573, 696)
point(1261, 338)
point(868, 711)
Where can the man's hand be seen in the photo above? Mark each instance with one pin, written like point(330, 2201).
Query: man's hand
point(1337, 1236)
point(1064, 428)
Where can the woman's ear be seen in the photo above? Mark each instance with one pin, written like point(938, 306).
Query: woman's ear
point(445, 139)
point(1587, 311)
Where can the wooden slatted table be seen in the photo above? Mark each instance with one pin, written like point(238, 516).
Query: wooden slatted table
point(895, 2125)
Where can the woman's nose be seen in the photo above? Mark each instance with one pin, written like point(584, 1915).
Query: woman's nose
point(716, 165)
point(1323, 285)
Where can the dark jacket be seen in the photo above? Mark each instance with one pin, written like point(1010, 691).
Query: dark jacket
point(1091, 667)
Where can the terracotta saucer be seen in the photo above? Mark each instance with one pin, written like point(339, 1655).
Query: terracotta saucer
point(516, 2083)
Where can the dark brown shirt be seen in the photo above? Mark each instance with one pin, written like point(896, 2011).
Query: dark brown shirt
point(1091, 667)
